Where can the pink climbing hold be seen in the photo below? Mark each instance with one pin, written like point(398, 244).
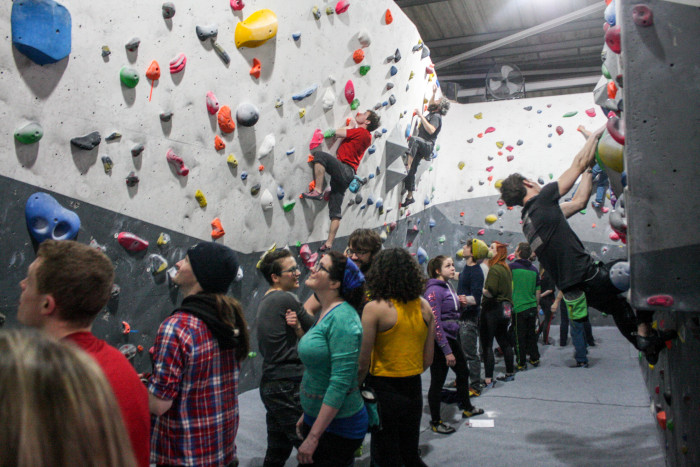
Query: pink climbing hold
point(616, 127)
point(560, 130)
point(590, 112)
point(237, 5)
point(349, 91)
point(212, 103)
point(490, 130)
point(177, 162)
point(481, 232)
point(177, 64)
point(510, 158)
point(316, 139)
point(511, 257)
point(305, 252)
point(131, 242)
point(430, 69)
point(614, 236)
point(500, 202)
point(342, 6)
point(510, 148)
point(489, 169)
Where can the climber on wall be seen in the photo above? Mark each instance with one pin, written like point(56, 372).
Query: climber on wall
point(421, 146)
point(342, 169)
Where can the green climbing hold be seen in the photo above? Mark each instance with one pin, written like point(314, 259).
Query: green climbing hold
point(430, 169)
point(441, 239)
point(252, 354)
point(551, 176)
point(437, 148)
point(605, 71)
point(355, 104)
point(329, 133)
point(570, 114)
point(298, 244)
point(364, 69)
point(288, 206)
point(29, 133)
point(582, 211)
point(129, 77)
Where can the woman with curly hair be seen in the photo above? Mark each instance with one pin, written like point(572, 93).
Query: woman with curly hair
point(448, 353)
point(496, 313)
point(397, 346)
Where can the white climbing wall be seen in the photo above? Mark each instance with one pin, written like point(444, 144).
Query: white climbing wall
point(83, 94)
point(534, 159)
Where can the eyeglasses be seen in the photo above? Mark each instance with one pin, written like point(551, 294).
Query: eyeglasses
point(351, 252)
point(318, 267)
point(293, 270)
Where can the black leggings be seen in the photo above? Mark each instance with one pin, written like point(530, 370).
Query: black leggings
point(493, 324)
point(332, 450)
point(438, 375)
point(400, 408)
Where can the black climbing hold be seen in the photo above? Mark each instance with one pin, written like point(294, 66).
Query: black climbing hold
point(247, 114)
point(255, 189)
point(168, 10)
point(425, 52)
point(133, 44)
point(113, 136)
point(392, 99)
point(137, 150)
point(528, 108)
point(87, 142)
point(132, 179)
point(397, 55)
point(166, 116)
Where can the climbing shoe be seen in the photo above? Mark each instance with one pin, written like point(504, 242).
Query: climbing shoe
point(472, 412)
point(474, 392)
point(408, 202)
point(535, 363)
point(442, 428)
point(654, 343)
point(315, 195)
point(505, 377)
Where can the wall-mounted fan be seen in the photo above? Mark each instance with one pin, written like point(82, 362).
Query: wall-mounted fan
point(505, 82)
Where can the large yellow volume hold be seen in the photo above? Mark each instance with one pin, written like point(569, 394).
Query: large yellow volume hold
point(256, 29)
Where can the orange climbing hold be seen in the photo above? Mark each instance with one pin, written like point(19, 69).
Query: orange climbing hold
point(217, 229)
point(153, 72)
point(255, 71)
point(226, 123)
point(261, 168)
point(219, 143)
point(612, 90)
point(388, 18)
point(461, 214)
point(312, 185)
point(358, 55)
point(310, 158)
point(661, 418)
point(480, 135)
point(490, 178)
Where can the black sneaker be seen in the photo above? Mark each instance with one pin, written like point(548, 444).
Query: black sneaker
point(535, 363)
point(474, 391)
point(442, 428)
point(581, 365)
point(505, 377)
point(654, 343)
point(472, 412)
point(408, 202)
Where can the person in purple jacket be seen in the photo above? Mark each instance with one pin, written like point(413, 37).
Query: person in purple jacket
point(448, 351)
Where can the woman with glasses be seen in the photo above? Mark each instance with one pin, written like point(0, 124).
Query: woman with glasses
point(281, 322)
point(335, 420)
point(397, 346)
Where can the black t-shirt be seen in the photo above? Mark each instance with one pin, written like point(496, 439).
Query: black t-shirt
point(557, 247)
point(435, 119)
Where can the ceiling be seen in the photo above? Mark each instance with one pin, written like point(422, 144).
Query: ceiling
point(556, 44)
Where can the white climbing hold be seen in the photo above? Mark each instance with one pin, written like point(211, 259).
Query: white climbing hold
point(364, 38)
point(328, 100)
point(266, 200)
point(267, 146)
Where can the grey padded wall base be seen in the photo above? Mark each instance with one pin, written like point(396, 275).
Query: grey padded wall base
point(662, 115)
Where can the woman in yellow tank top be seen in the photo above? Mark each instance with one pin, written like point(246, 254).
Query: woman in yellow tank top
point(397, 346)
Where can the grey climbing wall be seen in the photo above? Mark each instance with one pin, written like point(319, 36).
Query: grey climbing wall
point(661, 95)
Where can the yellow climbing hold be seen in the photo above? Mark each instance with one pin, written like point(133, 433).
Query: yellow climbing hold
point(609, 153)
point(498, 184)
point(232, 161)
point(201, 199)
point(460, 254)
point(163, 239)
point(302, 112)
point(460, 165)
point(272, 248)
point(411, 75)
point(491, 218)
point(256, 29)
point(480, 250)
point(479, 116)
point(499, 144)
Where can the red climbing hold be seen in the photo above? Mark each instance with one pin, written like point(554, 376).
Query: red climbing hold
point(489, 168)
point(490, 130)
point(219, 143)
point(461, 214)
point(388, 18)
point(217, 229)
point(590, 112)
point(490, 178)
point(226, 123)
point(349, 91)
point(511, 257)
point(501, 202)
point(616, 128)
point(153, 72)
point(255, 71)
point(178, 63)
point(177, 162)
point(342, 6)
point(131, 242)
point(316, 140)
point(212, 103)
point(612, 38)
point(560, 130)
point(614, 236)
point(430, 69)
point(358, 55)
point(481, 232)
point(510, 148)
point(237, 5)
point(261, 168)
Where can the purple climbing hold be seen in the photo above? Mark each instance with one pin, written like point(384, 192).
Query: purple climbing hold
point(87, 142)
point(41, 30)
point(46, 218)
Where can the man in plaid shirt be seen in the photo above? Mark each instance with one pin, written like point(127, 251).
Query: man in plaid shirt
point(196, 363)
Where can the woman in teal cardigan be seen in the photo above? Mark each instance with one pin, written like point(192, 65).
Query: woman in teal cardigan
point(335, 421)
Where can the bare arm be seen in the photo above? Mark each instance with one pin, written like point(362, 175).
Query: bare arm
point(557, 300)
point(580, 199)
point(426, 124)
point(583, 160)
point(429, 346)
point(158, 406)
point(370, 322)
point(312, 305)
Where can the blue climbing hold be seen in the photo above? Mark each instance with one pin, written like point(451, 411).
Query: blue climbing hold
point(41, 30)
point(379, 204)
point(421, 255)
point(371, 176)
point(384, 130)
point(539, 111)
point(370, 200)
point(431, 223)
point(408, 130)
point(291, 151)
point(426, 201)
point(623, 179)
point(296, 36)
point(244, 175)
point(372, 149)
point(385, 103)
point(354, 185)
point(620, 275)
point(393, 70)
point(610, 14)
point(305, 93)
point(48, 219)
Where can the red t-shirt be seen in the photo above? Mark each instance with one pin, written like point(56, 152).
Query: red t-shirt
point(353, 147)
point(130, 392)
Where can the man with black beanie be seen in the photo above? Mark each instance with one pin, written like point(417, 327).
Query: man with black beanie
point(193, 391)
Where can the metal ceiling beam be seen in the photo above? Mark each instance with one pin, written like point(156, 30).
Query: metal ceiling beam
point(550, 71)
point(569, 46)
point(582, 13)
point(492, 36)
point(540, 85)
point(409, 3)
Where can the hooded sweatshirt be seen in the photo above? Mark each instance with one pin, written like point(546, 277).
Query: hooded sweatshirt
point(446, 308)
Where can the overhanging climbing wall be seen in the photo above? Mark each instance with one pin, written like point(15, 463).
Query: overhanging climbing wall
point(662, 116)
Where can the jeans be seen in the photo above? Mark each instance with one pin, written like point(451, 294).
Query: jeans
point(281, 400)
point(564, 327)
point(494, 325)
point(438, 375)
point(469, 338)
point(601, 184)
point(579, 340)
point(400, 408)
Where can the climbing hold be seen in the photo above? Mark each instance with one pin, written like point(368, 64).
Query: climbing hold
point(316, 12)
point(460, 166)
point(131, 242)
point(358, 55)
point(364, 38)
point(388, 18)
point(266, 200)
point(105, 51)
point(87, 142)
point(642, 15)
point(29, 133)
point(481, 232)
point(237, 5)
point(349, 91)
point(549, 145)
point(510, 148)
point(290, 151)
point(163, 239)
point(168, 10)
point(223, 55)
point(612, 39)
point(201, 199)
point(255, 189)
point(479, 116)
point(620, 275)
point(342, 6)
point(489, 169)
point(166, 116)
point(255, 70)
point(616, 127)
point(302, 112)
point(499, 144)
point(316, 139)
point(247, 114)
point(207, 32)
point(610, 153)
point(107, 164)
point(41, 30)
point(305, 93)
point(560, 130)
point(661, 419)
point(46, 218)
point(372, 149)
point(609, 14)
point(244, 175)
point(421, 255)
point(153, 72)
point(430, 69)
point(133, 44)
point(226, 123)
point(137, 150)
point(491, 130)
point(156, 264)
point(590, 112)
point(296, 35)
point(280, 193)
point(177, 162)
point(129, 77)
point(128, 350)
point(219, 143)
point(612, 90)
point(256, 29)
point(490, 157)
point(425, 52)
point(397, 56)
point(390, 86)
point(393, 70)
point(289, 205)
point(490, 219)
point(212, 103)
point(232, 161)
point(358, 198)
point(329, 10)
point(510, 158)
point(328, 100)
point(132, 179)
point(364, 69)
point(528, 108)
point(178, 63)
point(267, 145)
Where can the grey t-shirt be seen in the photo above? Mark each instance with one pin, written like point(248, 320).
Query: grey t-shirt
point(277, 342)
